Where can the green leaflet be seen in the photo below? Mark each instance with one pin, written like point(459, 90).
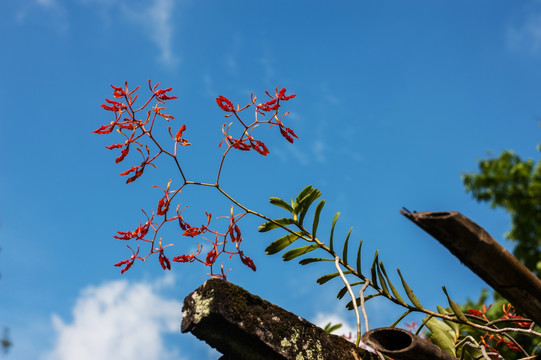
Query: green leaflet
point(281, 203)
point(292, 254)
point(373, 270)
point(382, 281)
point(344, 290)
point(323, 279)
point(280, 244)
point(409, 292)
point(304, 203)
point(442, 335)
point(359, 258)
point(316, 218)
point(332, 230)
point(349, 305)
point(454, 306)
point(451, 324)
point(312, 260)
point(269, 225)
point(345, 252)
point(301, 198)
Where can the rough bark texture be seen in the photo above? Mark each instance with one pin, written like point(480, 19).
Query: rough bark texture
point(244, 326)
point(403, 345)
point(472, 245)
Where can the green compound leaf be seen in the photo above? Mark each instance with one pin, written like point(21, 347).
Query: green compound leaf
point(442, 335)
point(292, 254)
point(345, 251)
point(281, 203)
point(409, 292)
point(332, 230)
point(316, 218)
point(269, 225)
point(313, 260)
point(280, 244)
point(323, 279)
point(455, 307)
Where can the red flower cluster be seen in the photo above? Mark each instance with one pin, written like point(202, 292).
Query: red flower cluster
point(270, 108)
point(491, 341)
point(135, 131)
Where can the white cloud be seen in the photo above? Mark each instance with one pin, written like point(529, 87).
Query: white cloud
point(118, 320)
point(525, 34)
point(346, 330)
point(156, 18)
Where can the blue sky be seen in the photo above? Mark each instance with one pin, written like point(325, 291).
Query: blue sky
point(395, 101)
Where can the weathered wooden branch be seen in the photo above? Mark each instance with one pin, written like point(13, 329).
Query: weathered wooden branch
point(244, 326)
point(403, 345)
point(473, 246)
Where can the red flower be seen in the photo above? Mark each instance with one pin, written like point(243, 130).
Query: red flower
point(270, 105)
point(164, 261)
point(188, 258)
point(247, 261)
point(225, 104)
point(105, 129)
point(211, 257)
point(184, 258)
point(178, 136)
point(259, 147)
point(116, 106)
point(475, 312)
point(287, 133)
point(128, 262)
point(119, 92)
point(160, 94)
point(138, 233)
point(281, 95)
point(234, 233)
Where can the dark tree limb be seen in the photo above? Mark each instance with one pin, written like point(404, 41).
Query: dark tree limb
point(403, 345)
point(474, 247)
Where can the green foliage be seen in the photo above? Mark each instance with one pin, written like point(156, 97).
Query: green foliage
point(330, 328)
point(379, 281)
point(453, 329)
point(531, 344)
point(513, 184)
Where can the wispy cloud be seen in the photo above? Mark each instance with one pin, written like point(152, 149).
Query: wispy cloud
point(156, 18)
point(525, 33)
point(54, 10)
point(118, 320)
